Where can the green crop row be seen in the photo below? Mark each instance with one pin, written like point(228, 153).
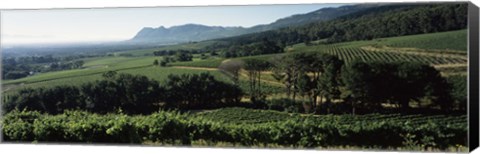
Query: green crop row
point(171, 127)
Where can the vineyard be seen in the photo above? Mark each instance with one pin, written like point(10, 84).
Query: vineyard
point(453, 40)
point(350, 54)
point(438, 45)
point(242, 127)
point(358, 77)
point(249, 116)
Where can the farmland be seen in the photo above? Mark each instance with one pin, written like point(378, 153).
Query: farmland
point(368, 77)
point(239, 116)
point(253, 124)
point(348, 51)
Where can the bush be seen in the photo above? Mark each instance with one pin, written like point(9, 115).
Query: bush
point(286, 105)
point(16, 74)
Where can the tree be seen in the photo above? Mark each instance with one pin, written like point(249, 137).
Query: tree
point(155, 62)
point(183, 56)
point(254, 67)
point(163, 63)
point(78, 64)
point(137, 94)
point(132, 94)
point(359, 81)
point(310, 74)
point(458, 93)
point(232, 68)
point(401, 83)
point(168, 59)
point(199, 91)
point(16, 74)
point(286, 69)
point(327, 73)
point(109, 74)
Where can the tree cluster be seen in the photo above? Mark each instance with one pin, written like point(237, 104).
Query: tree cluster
point(324, 85)
point(173, 52)
point(459, 91)
point(254, 68)
point(368, 85)
point(199, 91)
point(314, 76)
point(177, 57)
point(377, 22)
point(264, 46)
point(131, 94)
point(15, 68)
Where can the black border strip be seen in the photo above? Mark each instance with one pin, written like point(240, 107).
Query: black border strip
point(473, 108)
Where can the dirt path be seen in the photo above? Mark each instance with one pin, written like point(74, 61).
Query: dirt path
point(451, 65)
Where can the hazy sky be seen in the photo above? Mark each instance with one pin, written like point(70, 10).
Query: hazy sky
point(88, 25)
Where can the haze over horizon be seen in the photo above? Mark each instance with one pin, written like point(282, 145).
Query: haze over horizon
point(117, 24)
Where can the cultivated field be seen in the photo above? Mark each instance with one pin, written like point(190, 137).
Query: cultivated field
point(445, 51)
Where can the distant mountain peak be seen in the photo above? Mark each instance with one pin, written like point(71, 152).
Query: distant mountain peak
point(185, 33)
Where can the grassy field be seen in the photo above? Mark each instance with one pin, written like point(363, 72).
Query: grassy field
point(101, 65)
point(95, 67)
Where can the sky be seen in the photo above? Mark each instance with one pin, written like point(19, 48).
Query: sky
point(115, 24)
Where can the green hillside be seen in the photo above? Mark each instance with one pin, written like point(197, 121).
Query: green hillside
point(451, 40)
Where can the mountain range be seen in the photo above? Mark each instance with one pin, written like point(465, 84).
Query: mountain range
point(198, 32)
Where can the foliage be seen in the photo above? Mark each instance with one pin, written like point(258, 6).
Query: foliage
point(370, 84)
point(459, 92)
point(234, 125)
point(132, 94)
point(232, 68)
point(286, 105)
point(254, 67)
point(310, 74)
point(209, 63)
point(264, 46)
point(199, 91)
point(20, 67)
point(378, 22)
point(182, 56)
